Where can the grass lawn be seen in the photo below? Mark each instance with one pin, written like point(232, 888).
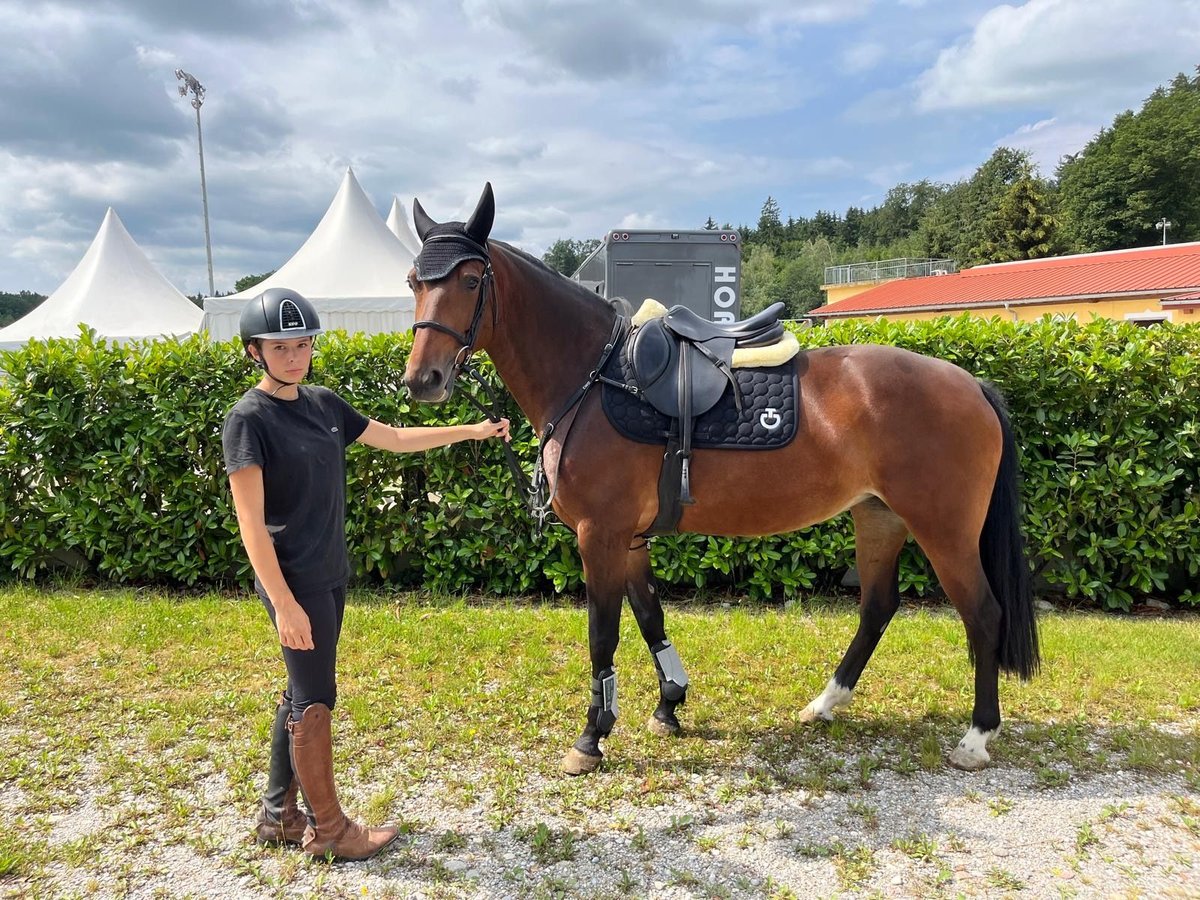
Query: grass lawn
point(149, 694)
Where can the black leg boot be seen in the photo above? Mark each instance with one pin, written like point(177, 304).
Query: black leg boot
point(280, 820)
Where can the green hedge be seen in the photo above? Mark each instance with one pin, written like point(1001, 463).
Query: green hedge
point(111, 457)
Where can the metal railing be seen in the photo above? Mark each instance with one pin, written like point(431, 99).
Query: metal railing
point(885, 269)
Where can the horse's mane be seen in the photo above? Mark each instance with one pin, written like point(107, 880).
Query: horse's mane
point(561, 282)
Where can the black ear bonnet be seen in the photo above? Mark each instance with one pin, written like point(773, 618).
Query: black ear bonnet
point(445, 245)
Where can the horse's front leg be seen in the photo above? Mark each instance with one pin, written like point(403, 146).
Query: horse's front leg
point(672, 679)
point(603, 554)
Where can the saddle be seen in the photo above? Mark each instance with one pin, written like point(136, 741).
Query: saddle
point(682, 366)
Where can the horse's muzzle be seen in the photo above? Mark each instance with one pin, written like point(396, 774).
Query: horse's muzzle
point(428, 386)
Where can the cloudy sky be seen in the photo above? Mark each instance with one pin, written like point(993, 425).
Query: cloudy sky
point(583, 115)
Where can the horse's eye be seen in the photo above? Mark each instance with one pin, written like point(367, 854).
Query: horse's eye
point(472, 282)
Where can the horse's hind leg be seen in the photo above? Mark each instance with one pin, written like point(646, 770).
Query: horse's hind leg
point(672, 679)
point(961, 575)
point(879, 534)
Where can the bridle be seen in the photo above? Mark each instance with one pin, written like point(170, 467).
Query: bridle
point(466, 341)
point(537, 500)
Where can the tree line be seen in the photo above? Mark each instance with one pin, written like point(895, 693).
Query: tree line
point(16, 306)
point(1140, 170)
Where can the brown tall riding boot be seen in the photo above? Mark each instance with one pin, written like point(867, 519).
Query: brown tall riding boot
point(312, 759)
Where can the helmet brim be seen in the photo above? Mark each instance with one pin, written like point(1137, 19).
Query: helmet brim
point(286, 335)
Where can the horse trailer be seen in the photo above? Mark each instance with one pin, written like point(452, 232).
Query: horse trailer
point(701, 270)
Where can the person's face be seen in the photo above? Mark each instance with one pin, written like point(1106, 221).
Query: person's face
point(287, 358)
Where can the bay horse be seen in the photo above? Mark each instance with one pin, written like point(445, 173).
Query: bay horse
point(909, 444)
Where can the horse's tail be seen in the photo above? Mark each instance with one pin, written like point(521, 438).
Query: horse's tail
point(1002, 551)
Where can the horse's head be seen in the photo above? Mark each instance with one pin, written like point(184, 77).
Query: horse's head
point(451, 280)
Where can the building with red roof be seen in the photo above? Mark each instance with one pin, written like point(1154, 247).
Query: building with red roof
point(1145, 284)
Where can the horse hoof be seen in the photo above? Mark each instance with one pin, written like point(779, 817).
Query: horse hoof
point(576, 763)
point(811, 714)
point(969, 760)
point(661, 728)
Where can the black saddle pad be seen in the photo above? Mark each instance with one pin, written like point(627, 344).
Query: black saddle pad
point(767, 421)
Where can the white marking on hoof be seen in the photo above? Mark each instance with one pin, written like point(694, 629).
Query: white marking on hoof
point(576, 763)
point(831, 698)
point(971, 753)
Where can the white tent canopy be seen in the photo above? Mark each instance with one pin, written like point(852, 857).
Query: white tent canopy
point(397, 220)
point(352, 267)
point(114, 289)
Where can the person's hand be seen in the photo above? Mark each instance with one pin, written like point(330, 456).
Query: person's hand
point(489, 429)
point(295, 631)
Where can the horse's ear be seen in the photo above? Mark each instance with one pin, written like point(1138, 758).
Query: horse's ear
point(479, 226)
point(421, 220)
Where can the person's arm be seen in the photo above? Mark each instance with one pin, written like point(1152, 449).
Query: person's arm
point(408, 440)
point(295, 631)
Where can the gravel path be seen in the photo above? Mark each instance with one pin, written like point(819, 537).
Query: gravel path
point(995, 833)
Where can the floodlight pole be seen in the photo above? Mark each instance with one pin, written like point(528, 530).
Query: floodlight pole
point(1162, 225)
point(197, 91)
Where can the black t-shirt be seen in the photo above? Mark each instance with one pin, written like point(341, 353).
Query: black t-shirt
point(301, 446)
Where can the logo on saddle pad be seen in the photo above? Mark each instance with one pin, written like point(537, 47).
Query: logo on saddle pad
point(770, 419)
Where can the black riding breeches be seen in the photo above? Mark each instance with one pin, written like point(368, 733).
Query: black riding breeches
point(311, 673)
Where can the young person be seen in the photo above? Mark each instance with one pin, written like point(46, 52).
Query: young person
point(285, 452)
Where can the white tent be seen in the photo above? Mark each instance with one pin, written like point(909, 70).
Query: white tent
point(352, 267)
point(397, 220)
point(114, 289)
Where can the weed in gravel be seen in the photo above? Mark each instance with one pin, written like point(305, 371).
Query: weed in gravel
point(747, 836)
point(920, 847)
point(641, 842)
point(955, 844)
point(1048, 777)
point(865, 811)
point(930, 752)
point(853, 865)
point(440, 873)
point(550, 846)
point(18, 857)
point(682, 878)
point(554, 888)
point(906, 763)
point(1085, 837)
point(776, 891)
point(867, 767)
point(1001, 806)
point(1110, 811)
point(449, 842)
point(680, 824)
point(378, 805)
point(816, 851)
point(1004, 880)
point(706, 842)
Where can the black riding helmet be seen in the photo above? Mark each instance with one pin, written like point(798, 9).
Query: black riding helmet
point(277, 314)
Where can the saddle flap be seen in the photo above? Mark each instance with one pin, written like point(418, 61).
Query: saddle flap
point(650, 353)
point(655, 357)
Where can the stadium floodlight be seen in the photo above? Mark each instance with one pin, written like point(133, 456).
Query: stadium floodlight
point(196, 89)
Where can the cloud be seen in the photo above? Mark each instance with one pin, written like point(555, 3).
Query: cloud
point(1053, 52)
point(1048, 140)
point(863, 57)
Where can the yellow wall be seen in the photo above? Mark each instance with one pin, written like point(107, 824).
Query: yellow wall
point(837, 292)
point(1085, 310)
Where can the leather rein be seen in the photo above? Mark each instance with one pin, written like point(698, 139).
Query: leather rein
point(537, 500)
